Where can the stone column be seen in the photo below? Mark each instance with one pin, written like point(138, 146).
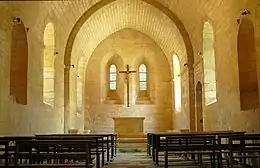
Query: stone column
point(66, 98)
point(191, 97)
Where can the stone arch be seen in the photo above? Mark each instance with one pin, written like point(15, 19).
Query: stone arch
point(248, 82)
point(209, 64)
point(103, 3)
point(177, 83)
point(199, 107)
point(19, 63)
point(48, 65)
point(164, 10)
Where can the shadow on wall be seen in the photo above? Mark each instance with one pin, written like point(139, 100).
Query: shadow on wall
point(31, 119)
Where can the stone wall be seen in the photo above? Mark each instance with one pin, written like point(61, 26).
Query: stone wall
point(151, 17)
point(134, 48)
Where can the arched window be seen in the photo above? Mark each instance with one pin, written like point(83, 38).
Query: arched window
point(112, 77)
point(19, 63)
point(142, 77)
point(177, 83)
point(248, 82)
point(209, 64)
point(48, 81)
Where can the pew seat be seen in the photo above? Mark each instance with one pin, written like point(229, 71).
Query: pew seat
point(242, 148)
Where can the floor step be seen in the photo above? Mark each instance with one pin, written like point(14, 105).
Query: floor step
point(131, 140)
point(131, 147)
point(136, 135)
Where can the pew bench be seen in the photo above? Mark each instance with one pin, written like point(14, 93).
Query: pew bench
point(96, 148)
point(12, 151)
point(107, 142)
point(191, 145)
point(223, 145)
point(4, 153)
point(179, 143)
point(242, 148)
point(54, 153)
point(157, 143)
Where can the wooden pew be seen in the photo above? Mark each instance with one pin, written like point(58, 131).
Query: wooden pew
point(97, 148)
point(37, 152)
point(191, 144)
point(242, 148)
point(107, 144)
point(149, 143)
point(4, 153)
point(54, 153)
point(157, 143)
point(223, 145)
point(110, 140)
point(11, 141)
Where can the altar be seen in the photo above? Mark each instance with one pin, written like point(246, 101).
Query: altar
point(128, 125)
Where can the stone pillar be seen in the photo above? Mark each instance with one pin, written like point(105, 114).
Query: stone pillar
point(191, 97)
point(66, 98)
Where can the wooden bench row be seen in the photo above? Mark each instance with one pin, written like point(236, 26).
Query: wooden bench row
point(57, 150)
point(234, 147)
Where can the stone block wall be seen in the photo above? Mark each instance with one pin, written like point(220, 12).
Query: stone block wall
point(133, 48)
point(223, 15)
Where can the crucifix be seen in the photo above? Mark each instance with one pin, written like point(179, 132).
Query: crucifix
point(127, 72)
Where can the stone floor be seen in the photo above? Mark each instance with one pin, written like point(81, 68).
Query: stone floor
point(139, 160)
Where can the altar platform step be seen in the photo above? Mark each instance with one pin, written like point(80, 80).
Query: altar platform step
point(131, 147)
point(136, 135)
point(131, 140)
point(113, 101)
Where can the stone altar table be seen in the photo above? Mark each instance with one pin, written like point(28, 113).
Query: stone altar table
point(128, 125)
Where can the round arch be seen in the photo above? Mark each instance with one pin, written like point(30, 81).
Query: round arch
point(247, 69)
point(183, 32)
point(103, 3)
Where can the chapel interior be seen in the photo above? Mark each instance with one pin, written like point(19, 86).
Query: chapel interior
point(129, 67)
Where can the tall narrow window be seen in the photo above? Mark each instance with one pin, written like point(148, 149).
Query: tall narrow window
point(177, 83)
point(248, 82)
point(48, 81)
point(143, 77)
point(19, 63)
point(209, 64)
point(112, 77)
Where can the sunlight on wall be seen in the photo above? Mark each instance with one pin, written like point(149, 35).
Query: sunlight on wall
point(48, 82)
point(209, 64)
point(177, 83)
